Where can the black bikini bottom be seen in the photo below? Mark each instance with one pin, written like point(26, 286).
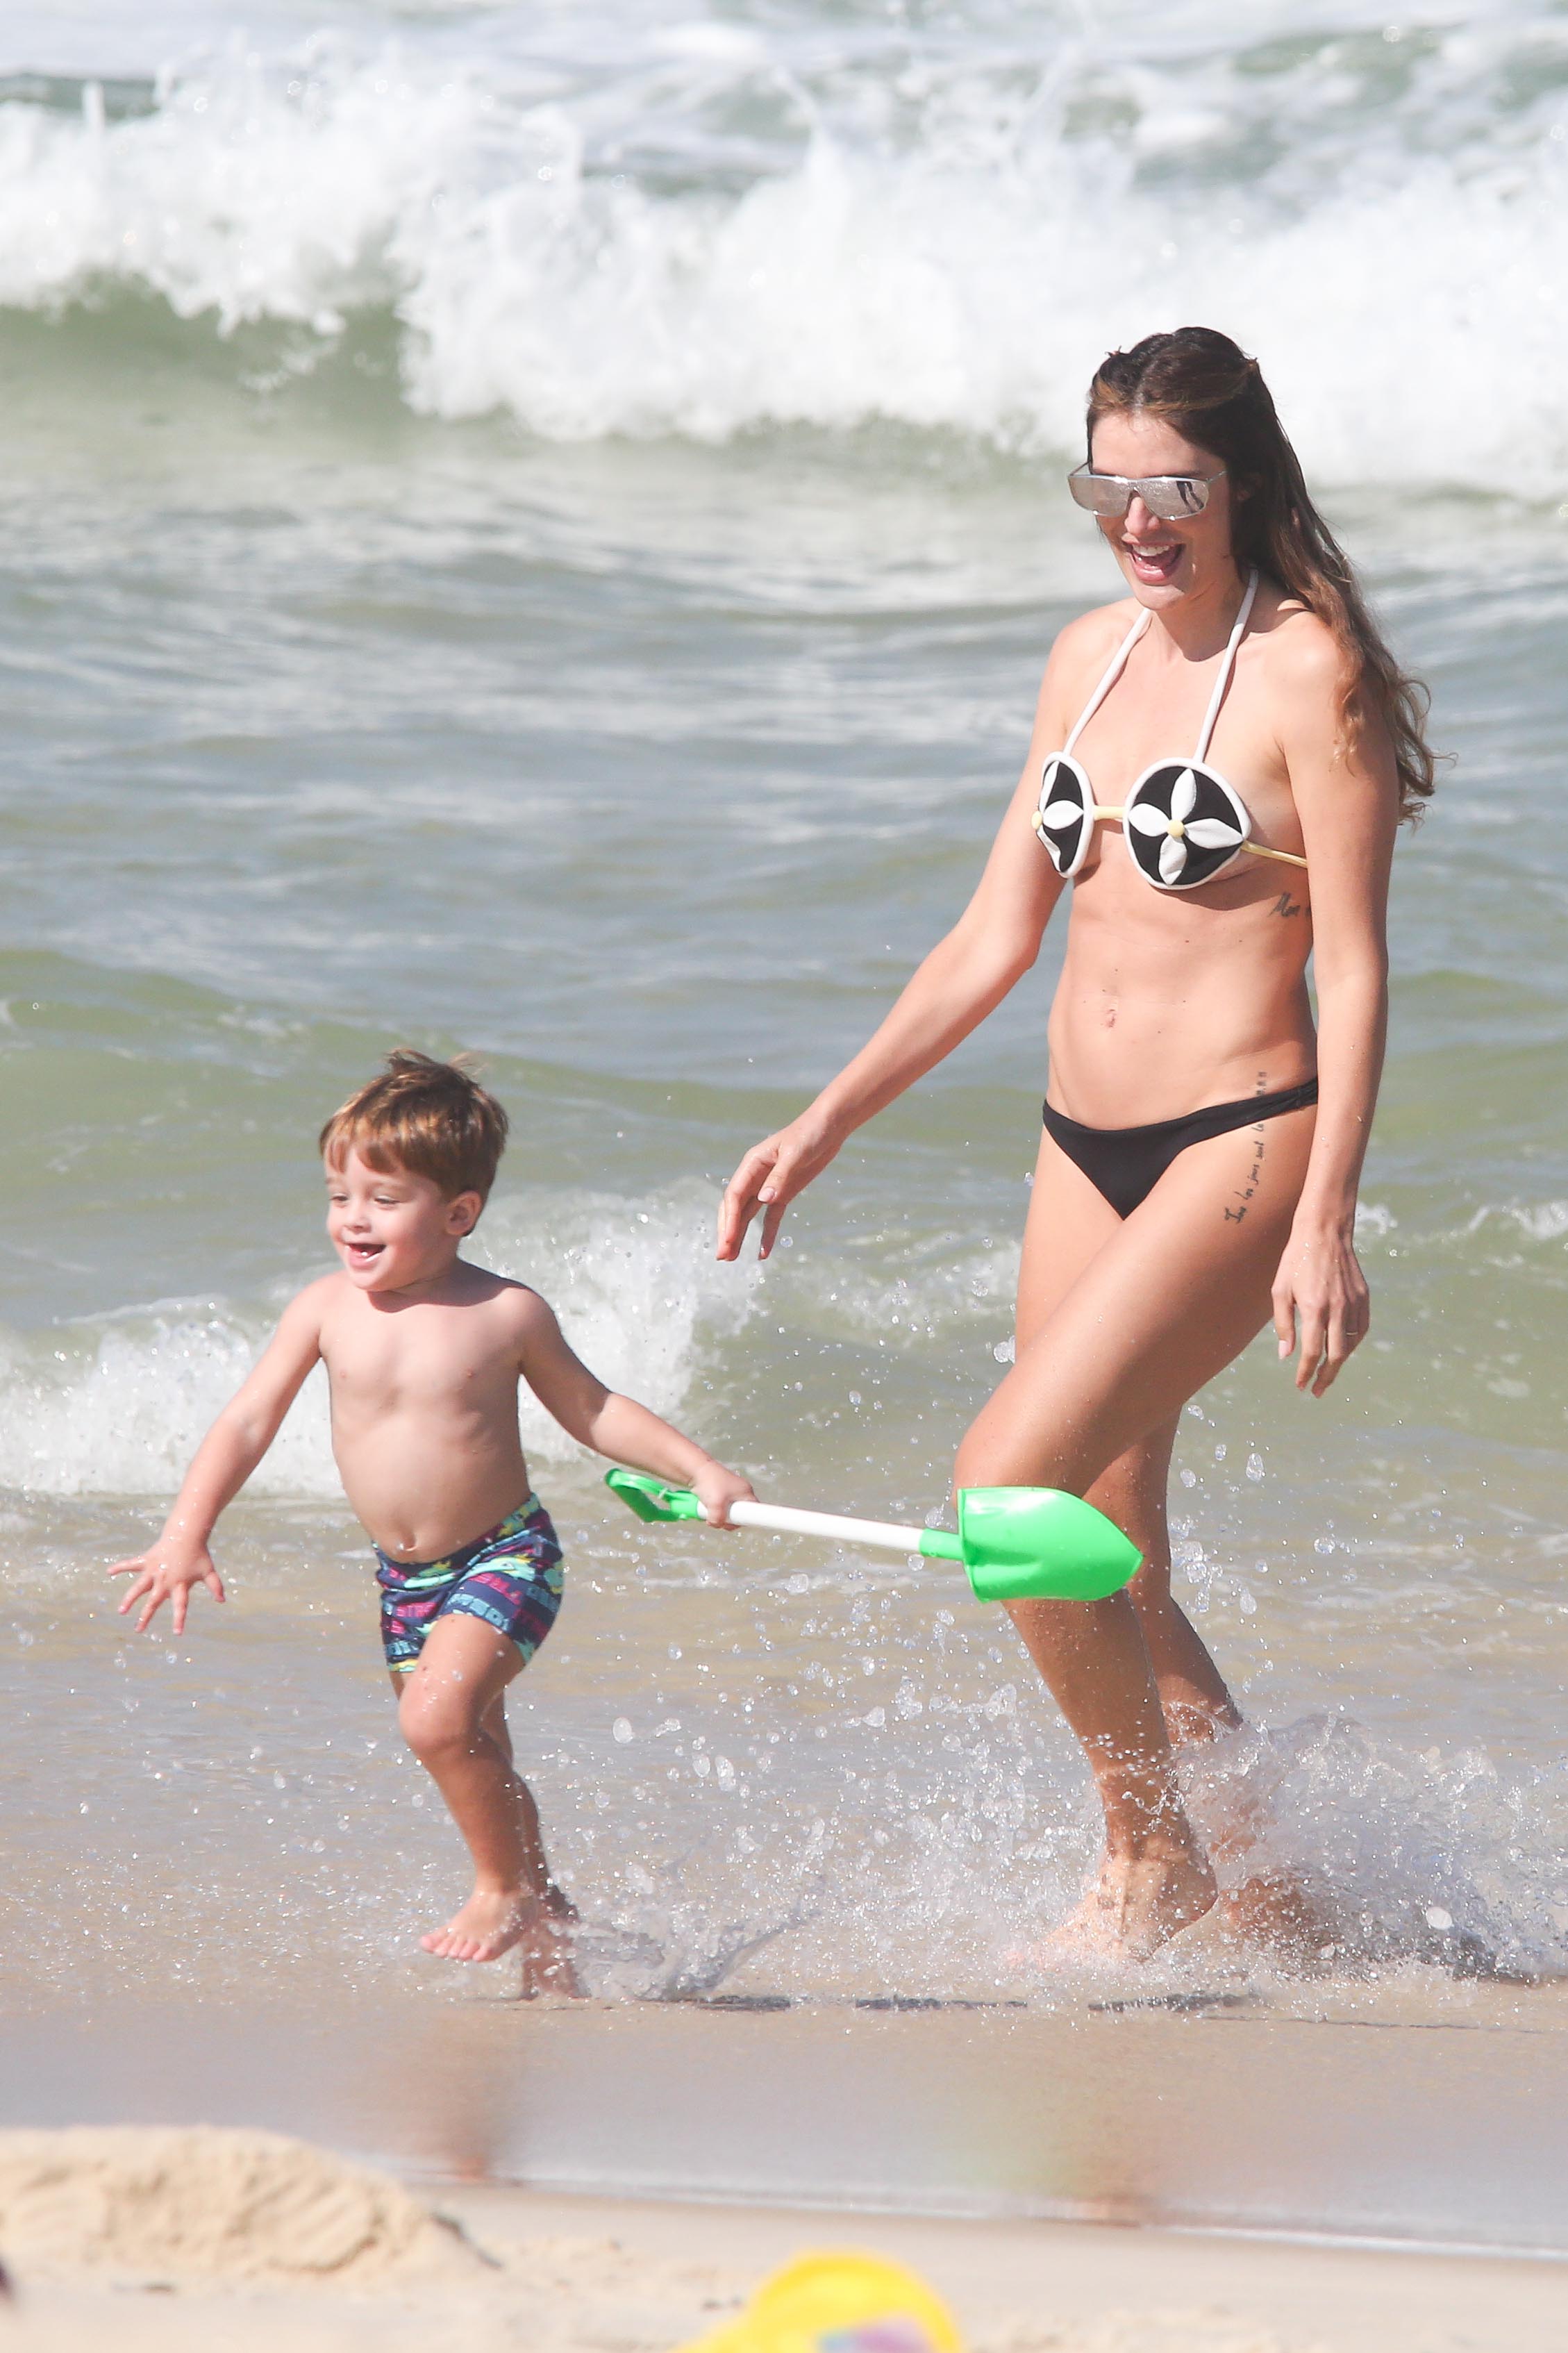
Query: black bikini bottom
point(1126, 1163)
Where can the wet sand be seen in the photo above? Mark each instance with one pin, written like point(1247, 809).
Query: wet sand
point(1394, 2115)
point(103, 2248)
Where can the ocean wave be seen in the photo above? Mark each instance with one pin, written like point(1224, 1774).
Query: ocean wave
point(712, 235)
point(117, 1406)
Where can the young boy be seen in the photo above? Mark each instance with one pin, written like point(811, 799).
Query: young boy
point(424, 1352)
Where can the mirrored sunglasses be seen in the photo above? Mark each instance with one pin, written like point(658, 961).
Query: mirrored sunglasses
point(1169, 496)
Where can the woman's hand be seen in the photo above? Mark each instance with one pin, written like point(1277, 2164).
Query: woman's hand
point(1321, 1285)
point(770, 1176)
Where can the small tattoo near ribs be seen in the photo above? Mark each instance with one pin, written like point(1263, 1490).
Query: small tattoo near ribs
point(1286, 905)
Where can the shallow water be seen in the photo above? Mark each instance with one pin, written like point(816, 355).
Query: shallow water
point(458, 638)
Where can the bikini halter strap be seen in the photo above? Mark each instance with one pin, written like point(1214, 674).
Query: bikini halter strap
point(1114, 668)
point(1118, 663)
point(1223, 681)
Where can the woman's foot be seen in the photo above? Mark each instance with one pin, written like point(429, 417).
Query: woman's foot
point(1277, 1916)
point(495, 1920)
point(1136, 1906)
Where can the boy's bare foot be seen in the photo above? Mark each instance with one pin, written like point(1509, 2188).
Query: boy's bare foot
point(489, 1924)
point(494, 1920)
point(1136, 1906)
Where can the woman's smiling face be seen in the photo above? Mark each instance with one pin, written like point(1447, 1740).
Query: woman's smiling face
point(1164, 563)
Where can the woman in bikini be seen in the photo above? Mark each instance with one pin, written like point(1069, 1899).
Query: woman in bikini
point(1218, 765)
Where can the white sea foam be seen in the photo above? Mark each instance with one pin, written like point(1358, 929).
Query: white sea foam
point(1539, 1222)
point(694, 234)
point(639, 1293)
point(119, 1406)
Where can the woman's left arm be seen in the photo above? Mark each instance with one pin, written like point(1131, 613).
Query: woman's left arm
point(1347, 797)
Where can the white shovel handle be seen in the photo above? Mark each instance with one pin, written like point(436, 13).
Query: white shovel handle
point(791, 1523)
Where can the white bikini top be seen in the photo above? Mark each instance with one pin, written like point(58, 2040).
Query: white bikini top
point(1182, 823)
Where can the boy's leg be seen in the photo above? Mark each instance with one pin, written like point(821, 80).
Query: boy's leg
point(495, 1723)
point(448, 1710)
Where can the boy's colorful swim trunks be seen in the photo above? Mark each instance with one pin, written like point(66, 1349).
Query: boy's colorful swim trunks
point(510, 1578)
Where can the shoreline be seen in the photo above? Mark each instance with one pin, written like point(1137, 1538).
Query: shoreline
point(1396, 2122)
point(439, 2191)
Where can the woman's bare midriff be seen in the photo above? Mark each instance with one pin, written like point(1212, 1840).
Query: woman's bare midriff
point(1167, 1003)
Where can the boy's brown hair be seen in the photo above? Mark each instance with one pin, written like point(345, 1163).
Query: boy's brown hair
point(431, 1118)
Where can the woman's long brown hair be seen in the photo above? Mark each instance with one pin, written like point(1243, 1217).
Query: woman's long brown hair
point(1201, 382)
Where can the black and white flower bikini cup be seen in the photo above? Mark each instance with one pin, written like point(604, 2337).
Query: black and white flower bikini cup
point(1064, 821)
point(1184, 825)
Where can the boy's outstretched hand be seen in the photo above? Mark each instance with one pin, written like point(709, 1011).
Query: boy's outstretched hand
point(167, 1572)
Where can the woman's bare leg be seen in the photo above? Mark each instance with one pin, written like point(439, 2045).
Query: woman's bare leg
point(1077, 1222)
point(1119, 1324)
point(1194, 1698)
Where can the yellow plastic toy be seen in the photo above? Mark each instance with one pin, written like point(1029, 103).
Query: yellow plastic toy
point(838, 2302)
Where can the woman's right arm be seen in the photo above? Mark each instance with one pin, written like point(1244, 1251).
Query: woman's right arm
point(964, 977)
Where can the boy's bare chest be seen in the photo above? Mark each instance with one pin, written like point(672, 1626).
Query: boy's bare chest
point(430, 1360)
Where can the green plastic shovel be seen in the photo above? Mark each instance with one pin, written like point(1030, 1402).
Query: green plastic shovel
point(1018, 1544)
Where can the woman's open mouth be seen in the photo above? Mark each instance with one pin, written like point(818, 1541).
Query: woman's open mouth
point(1153, 562)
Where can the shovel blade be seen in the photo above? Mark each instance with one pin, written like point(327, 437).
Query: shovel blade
point(1023, 1544)
point(652, 1499)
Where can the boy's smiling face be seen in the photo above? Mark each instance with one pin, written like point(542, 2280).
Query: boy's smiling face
point(393, 1229)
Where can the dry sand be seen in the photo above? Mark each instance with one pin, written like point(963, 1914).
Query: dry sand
point(236, 2241)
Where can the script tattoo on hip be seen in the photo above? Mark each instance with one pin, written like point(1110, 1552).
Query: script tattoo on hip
point(1244, 1193)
